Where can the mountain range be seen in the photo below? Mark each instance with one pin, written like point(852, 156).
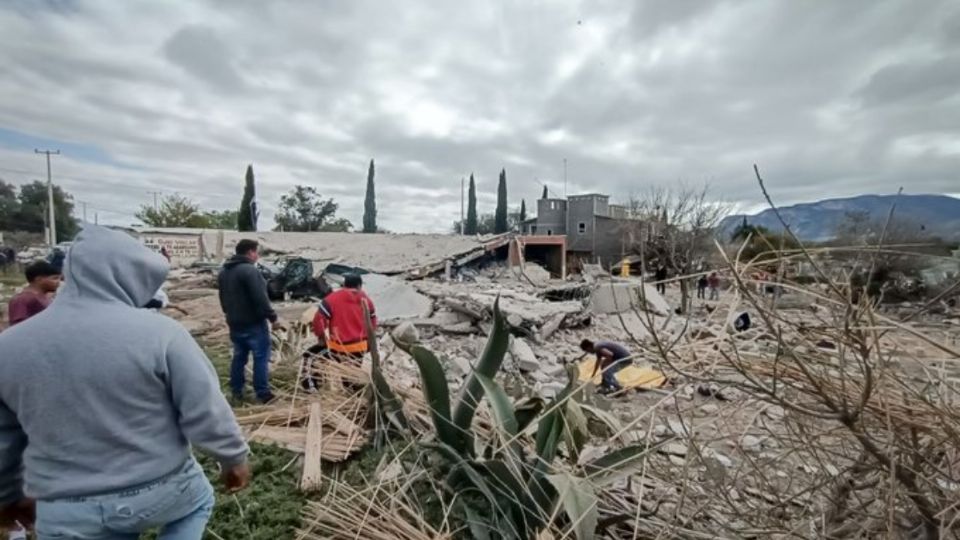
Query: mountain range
point(938, 215)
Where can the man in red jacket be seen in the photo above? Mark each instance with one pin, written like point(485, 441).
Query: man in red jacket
point(340, 320)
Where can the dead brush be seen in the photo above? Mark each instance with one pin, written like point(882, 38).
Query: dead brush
point(856, 436)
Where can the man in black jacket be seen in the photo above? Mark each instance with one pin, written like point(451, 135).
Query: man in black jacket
point(243, 298)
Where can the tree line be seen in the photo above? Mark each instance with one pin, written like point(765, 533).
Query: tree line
point(500, 221)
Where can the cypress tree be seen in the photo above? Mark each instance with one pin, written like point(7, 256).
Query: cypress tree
point(500, 224)
point(370, 205)
point(471, 226)
point(247, 216)
point(523, 210)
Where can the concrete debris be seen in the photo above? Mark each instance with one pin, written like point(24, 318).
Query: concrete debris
point(523, 355)
point(674, 449)
point(621, 296)
point(415, 255)
point(533, 273)
point(751, 443)
point(396, 299)
point(406, 333)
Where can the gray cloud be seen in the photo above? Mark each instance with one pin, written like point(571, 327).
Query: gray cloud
point(201, 53)
point(830, 98)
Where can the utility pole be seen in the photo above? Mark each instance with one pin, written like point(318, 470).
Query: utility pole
point(462, 180)
point(564, 178)
point(156, 204)
point(52, 230)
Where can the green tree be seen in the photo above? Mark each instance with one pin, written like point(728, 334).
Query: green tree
point(370, 205)
point(173, 211)
point(221, 219)
point(247, 216)
point(32, 213)
point(470, 227)
point(501, 224)
point(523, 210)
point(304, 209)
point(9, 206)
point(485, 225)
point(744, 230)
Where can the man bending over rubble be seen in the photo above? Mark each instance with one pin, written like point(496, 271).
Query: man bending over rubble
point(611, 358)
point(98, 417)
point(340, 319)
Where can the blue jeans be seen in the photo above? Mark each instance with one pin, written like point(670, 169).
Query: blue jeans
point(610, 374)
point(255, 339)
point(179, 504)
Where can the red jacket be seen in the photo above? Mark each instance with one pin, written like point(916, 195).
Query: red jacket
point(340, 321)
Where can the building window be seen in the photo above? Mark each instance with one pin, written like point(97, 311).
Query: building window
point(582, 227)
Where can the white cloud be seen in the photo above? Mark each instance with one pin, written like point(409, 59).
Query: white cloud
point(831, 98)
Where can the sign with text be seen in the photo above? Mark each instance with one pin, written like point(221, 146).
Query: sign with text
point(178, 246)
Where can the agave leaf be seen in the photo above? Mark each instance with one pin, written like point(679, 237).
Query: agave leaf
point(488, 366)
point(575, 432)
point(479, 528)
point(526, 410)
point(386, 402)
point(550, 427)
point(505, 420)
point(437, 394)
point(501, 520)
point(616, 465)
point(579, 501)
point(499, 404)
point(509, 485)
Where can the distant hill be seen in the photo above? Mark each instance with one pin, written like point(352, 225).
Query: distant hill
point(818, 221)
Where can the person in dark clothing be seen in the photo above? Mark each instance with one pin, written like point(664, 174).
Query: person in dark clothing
point(611, 358)
point(243, 298)
point(660, 276)
point(42, 281)
point(702, 287)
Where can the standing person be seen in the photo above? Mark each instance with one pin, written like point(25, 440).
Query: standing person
point(97, 419)
point(702, 287)
point(42, 281)
point(611, 358)
point(340, 319)
point(714, 283)
point(660, 276)
point(244, 300)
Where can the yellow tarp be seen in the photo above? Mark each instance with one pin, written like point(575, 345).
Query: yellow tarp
point(628, 377)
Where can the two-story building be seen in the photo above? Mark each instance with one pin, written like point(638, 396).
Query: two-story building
point(594, 228)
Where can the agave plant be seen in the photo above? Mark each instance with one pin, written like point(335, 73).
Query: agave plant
point(513, 491)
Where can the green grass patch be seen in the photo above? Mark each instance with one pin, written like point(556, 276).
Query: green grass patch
point(267, 510)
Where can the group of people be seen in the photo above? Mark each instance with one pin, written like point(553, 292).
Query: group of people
point(98, 420)
point(339, 324)
point(705, 282)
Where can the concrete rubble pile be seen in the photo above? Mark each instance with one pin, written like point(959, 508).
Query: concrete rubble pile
point(715, 446)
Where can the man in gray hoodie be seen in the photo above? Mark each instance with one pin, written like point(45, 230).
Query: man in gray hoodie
point(98, 417)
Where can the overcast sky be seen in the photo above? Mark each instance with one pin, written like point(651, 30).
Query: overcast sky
point(831, 98)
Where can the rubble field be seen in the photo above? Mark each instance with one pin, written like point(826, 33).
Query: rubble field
point(824, 419)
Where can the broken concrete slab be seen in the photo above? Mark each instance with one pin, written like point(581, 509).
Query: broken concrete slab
point(395, 298)
point(523, 355)
point(621, 296)
point(406, 333)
